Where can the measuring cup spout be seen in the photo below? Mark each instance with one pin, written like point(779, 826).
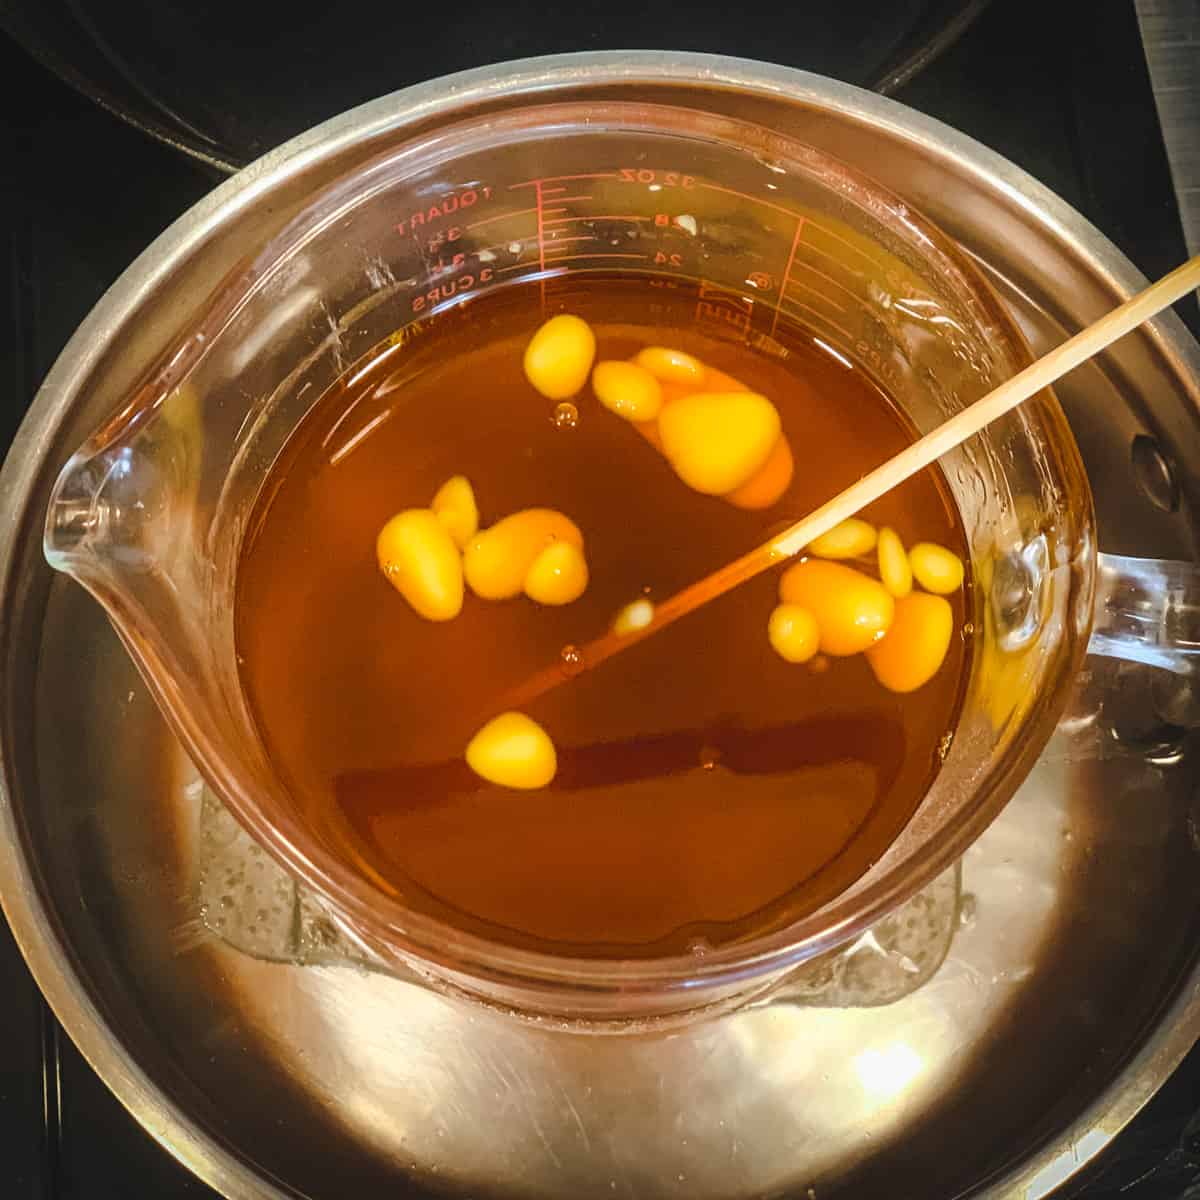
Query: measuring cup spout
point(121, 518)
point(118, 503)
point(78, 517)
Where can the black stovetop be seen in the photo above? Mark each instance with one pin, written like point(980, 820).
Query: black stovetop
point(1054, 86)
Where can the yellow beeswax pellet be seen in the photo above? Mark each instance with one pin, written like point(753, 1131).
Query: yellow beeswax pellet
point(769, 482)
point(670, 366)
point(419, 559)
point(894, 571)
point(935, 568)
point(793, 633)
point(558, 575)
point(852, 610)
point(717, 441)
point(513, 751)
point(916, 644)
point(669, 392)
point(851, 539)
point(559, 356)
point(454, 505)
point(628, 390)
point(497, 560)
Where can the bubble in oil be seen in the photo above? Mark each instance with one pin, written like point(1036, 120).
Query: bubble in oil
point(572, 660)
point(699, 947)
point(566, 415)
point(514, 247)
point(968, 909)
point(710, 756)
point(633, 617)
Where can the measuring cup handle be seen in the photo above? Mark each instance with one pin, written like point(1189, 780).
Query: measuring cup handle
point(1147, 610)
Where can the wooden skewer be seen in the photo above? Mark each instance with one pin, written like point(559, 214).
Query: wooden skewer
point(896, 470)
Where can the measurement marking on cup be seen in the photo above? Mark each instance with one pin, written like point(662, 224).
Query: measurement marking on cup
point(787, 270)
point(816, 292)
point(561, 178)
point(828, 320)
point(828, 279)
point(604, 217)
point(804, 222)
point(833, 258)
point(572, 257)
point(849, 245)
point(713, 187)
point(504, 216)
point(541, 237)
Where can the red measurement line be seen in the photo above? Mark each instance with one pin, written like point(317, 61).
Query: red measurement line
point(848, 245)
point(552, 210)
point(501, 217)
point(546, 191)
point(828, 320)
point(560, 178)
point(564, 199)
point(832, 258)
point(712, 187)
point(541, 245)
point(828, 278)
point(815, 291)
point(571, 257)
point(499, 246)
point(787, 271)
point(605, 217)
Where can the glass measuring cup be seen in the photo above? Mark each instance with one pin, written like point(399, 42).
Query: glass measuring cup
point(150, 513)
